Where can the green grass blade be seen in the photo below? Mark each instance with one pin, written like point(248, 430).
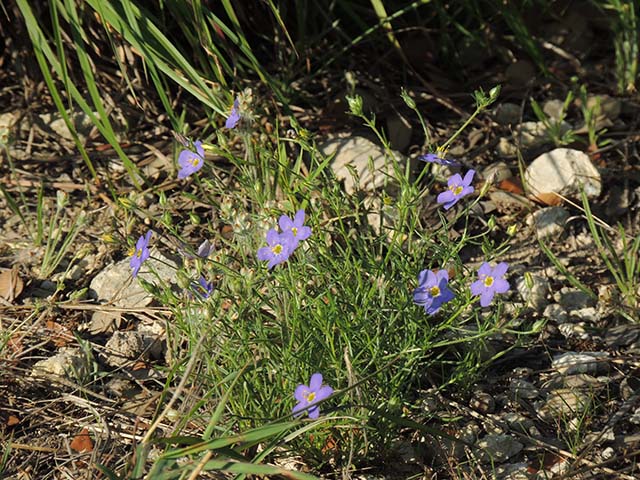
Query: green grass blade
point(568, 275)
point(87, 71)
point(256, 435)
point(46, 58)
point(13, 206)
point(43, 52)
point(147, 38)
point(235, 467)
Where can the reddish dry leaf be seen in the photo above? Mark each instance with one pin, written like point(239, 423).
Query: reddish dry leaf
point(549, 460)
point(82, 442)
point(595, 155)
point(15, 344)
point(511, 185)
point(12, 420)
point(330, 445)
point(11, 284)
point(60, 335)
point(140, 365)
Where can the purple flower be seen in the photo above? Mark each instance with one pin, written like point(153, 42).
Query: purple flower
point(433, 158)
point(432, 291)
point(490, 281)
point(234, 116)
point(205, 249)
point(280, 247)
point(141, 253)
point(309, 396)
point(202, 289)
point(190, 161)
point(295, 226)
point(458, 188)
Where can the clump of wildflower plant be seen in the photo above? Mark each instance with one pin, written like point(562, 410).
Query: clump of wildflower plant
point(490, 281)
point(432, 290)
point(296, 226)
point(279, 248)
point(141, 253)
point(457, 187)
point(433, 158)
point(190, 162)
point(234, 116)
point(308, 396)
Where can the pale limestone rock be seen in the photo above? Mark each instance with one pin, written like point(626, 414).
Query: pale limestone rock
point(564, 171)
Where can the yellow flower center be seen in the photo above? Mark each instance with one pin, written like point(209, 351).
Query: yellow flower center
point(434, 291)
point(295, 231)
point(310, 396)
point(488, 281)
point(139, 253)
point(277, 249)
point(456, 189)
point(195, 161)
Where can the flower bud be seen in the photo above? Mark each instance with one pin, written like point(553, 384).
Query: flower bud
point(494, 92)
point(355, 104)
point(407, 99)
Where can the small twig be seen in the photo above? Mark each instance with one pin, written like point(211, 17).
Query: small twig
point(200, 466)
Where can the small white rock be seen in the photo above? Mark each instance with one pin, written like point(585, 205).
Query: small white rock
point(153, 337)
point(587, 314)
point(555, 313)
point(123, 347)
point(608, 453)
point(573, 299)
point(506, 148)
point(68, 363)
point(563, 404)
point(498, 448)
point(530, 135)
point(571, 363)
point(564, 171)
point(572, 330)
point(496, 172)
point(358, 153)
point(523, 389)
point(115, 284)
point(553, 108)
point(549, 222)
point(635, 418)
point(534, 291)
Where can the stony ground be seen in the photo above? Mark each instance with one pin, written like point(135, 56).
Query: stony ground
point(565, 404)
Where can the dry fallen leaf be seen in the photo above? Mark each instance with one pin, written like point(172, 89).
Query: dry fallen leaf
point(511, 185)
point(60, 335)
point(12, 420)
point(549, 199)
point(82, 442)
point(11, 284)
point(15, 344)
